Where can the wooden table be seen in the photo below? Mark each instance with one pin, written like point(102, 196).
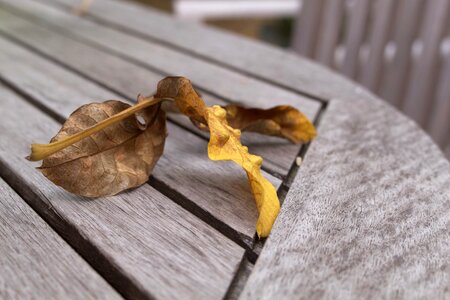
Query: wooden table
point(366, 215)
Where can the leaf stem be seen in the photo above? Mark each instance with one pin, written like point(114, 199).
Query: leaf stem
point(42, 151)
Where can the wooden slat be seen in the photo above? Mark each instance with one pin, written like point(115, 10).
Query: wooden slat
point(141, 241)
point(224, 83)
point(366, 217)
point(36, 263)
point(249, 57)
point(355, 31)
point(382, 19)
point(219, 189)
point(439, 126)
point(329, 31)
point(306, 27)
point(396, 75)
point(420, 90)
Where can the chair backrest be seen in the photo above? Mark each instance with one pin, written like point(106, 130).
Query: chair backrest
point(399, 49)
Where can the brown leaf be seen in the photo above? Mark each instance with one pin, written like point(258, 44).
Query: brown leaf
point(186, 98)
point(105, 148)
point(118, 157)
point(283, 121)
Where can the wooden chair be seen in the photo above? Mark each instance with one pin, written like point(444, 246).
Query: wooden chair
point(399, 49)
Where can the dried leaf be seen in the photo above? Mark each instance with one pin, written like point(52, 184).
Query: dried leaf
point(186, 98)
point(283, 121)
point(224, 144)
point(118, 157)
point(105, 148)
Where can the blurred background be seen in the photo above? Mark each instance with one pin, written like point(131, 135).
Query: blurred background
point(399, 49)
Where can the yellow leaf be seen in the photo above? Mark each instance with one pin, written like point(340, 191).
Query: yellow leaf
point(225, 144)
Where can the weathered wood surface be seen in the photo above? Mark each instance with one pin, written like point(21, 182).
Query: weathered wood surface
point(367, 217)
point(147, 57)
point(219, 189)
point(143, 243)
point(36, 263)
point(258, 60)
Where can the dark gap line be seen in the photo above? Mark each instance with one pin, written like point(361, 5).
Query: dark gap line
point(237, 237)
point(133, 61)
point(42, 107)
point(70, 234)
point(188, 52)
point(240, 279)
point(294, 167)
point(15, 184)
point(68, 231)
point(188, 205)
point(229, 232)
point(283, 189)
point(258, 244)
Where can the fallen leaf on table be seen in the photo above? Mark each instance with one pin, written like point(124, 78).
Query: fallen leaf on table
point(119, 157)
point(283, 121)
point(105, 148)
point(225, 144)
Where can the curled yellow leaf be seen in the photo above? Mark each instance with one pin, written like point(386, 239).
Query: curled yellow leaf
point(225, 144)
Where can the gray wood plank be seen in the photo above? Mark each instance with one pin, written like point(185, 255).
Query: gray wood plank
point(367, 216)
point(248, 56)
point(141, 241)
point(36, 263)
point(225, 84)
point(217, 188)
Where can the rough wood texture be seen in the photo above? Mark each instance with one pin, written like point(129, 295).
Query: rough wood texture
point(225, 84)
point(367, 216)
point(36, 263)
point(258, 60)
point(143, 243)
point(218, 188)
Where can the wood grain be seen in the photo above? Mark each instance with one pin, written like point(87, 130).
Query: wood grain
point(217, 188)
point(36, 263)
point(367, 216)
point(258, 60)
point(143, 243)
point(224, 84)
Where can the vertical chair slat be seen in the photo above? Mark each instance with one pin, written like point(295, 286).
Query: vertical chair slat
point(379, 36)
point(329, 31)
point(439, 126)
point(405, 31)
point(420, 90)
point(354, 36)
point(305, 32)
